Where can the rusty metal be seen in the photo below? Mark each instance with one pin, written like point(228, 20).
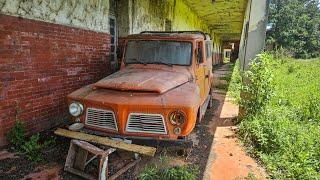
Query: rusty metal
point(81, 147)
point(177, 32)
point(145, 80)
point(152, 89)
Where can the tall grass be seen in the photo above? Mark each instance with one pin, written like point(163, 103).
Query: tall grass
point(281, 126)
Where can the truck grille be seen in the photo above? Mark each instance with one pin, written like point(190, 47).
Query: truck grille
point(146, 123)
point(101, 118)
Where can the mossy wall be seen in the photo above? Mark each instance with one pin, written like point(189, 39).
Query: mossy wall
point(152, 15)
point(86, 14)
point(135, 16)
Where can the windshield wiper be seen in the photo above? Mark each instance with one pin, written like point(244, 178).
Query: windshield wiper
point(136, 61)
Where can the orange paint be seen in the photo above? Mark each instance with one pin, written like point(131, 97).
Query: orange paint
point(152, 89)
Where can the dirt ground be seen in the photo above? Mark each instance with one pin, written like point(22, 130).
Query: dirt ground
point(15, 166)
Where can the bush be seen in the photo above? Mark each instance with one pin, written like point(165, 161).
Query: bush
point(30, 147)
point(283, 131)
point(289, 149)
point(311, 110)
point(16, 135)
point(258, 85)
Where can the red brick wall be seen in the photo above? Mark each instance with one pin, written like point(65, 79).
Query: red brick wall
point(40, 63)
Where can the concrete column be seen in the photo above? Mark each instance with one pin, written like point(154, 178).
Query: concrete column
point(254, 31)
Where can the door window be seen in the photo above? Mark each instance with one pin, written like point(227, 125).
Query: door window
point(113, 43)
point(199, 53)
point(208, 49)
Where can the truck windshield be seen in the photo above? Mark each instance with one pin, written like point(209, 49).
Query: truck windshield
point(158, 52)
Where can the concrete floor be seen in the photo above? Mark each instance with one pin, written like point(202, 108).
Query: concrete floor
point(228, 159)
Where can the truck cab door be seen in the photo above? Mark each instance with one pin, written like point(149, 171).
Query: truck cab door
point(200, 69)
point(208, 68)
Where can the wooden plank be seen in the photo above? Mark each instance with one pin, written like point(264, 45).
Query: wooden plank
point(145, 150)
point(124, 169)
point(80, 173)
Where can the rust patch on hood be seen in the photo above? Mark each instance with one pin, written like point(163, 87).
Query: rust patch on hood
point(147, 80)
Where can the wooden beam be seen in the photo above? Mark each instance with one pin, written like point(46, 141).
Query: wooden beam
point(145, 150)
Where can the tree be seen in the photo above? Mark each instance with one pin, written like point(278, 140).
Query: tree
point(295, 26)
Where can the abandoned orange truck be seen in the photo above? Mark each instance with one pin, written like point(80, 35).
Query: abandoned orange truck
point(160, 92)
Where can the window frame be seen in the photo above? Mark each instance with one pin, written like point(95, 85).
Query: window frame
point(208, 49)
point(202, 52)
point(191, 50)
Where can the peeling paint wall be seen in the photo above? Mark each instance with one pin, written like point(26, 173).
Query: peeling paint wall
point(123, 17)
point(254, 31)
point(217, 49)
point(135, 16)
point(185, 19)
point(86, 14)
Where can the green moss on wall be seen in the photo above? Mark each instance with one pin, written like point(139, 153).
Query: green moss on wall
point(152, 15)
point(88, 14)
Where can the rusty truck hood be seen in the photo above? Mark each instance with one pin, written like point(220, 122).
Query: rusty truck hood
point(146, 80)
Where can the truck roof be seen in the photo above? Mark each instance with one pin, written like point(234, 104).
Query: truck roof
point(176, 35)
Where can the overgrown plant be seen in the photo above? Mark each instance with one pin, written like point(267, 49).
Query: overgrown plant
point(149, 173)
point(174, 173)
point(16, 135)
point(284, 134)
point(235, 83)
point(258, 86)
point(30, 147)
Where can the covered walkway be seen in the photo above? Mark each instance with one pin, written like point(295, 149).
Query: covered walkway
point(50, 48)
point(227, 158)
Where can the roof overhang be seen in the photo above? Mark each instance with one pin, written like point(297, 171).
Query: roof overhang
point(224, 17)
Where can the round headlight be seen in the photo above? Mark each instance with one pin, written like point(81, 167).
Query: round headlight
point(177, 118)
point(75, 109)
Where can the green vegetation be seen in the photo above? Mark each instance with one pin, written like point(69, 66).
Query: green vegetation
point(281, 125)
point(174, 173)
point(234, 83)
point(251, 176)
point(294, 26)
point(31, 147)
point(16, 135)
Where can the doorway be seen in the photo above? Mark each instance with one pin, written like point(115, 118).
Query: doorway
point(113, 43)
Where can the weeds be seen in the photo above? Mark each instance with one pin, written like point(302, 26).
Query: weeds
point(31, 147)
point(222, 86)
point(163, 158)
point(258, 86)
point(149, 173)
point(283, 128)
point(17, 135)
point(235, 84)
point(174, 173)
point(226, 78)
point(251, 176)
